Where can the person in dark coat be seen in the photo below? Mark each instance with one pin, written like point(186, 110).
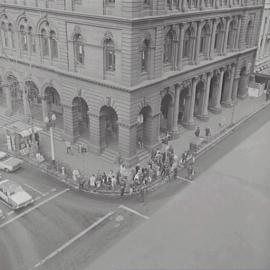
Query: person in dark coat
point(197, 132)
point(207, 132)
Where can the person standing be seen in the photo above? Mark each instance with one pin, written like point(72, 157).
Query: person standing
point(197, 132)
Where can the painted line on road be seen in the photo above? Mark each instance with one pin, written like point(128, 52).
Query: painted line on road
point(34, 207)
point(34, 189)
point(184, 179)
point(72, 240)
point(133, 211)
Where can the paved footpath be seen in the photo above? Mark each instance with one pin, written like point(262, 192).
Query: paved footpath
point(89, 163)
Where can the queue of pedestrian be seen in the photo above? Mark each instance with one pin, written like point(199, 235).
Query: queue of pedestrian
point(162, 164)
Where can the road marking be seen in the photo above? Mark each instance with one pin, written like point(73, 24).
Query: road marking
point(34, 207)
point(133, 211)
point(72, 240)
point(34, 189)
point(184, 179)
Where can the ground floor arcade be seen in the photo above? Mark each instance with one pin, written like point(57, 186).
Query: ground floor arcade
point(109, 125)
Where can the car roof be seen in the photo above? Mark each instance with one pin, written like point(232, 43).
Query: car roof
point(7, 184)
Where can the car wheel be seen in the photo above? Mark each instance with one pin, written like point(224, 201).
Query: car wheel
point(6, 170)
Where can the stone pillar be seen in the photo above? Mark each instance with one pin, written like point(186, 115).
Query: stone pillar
point(184, 5)
point(243, 86)
point(202, 4)
point(262, 47)
point(8, 100)
point(198, 41)
point(226, 36)
point(212, 43)
point(189, 121)
point(204, 114)
point(216, 108)
point(176, 110)
point(181, 42)
point(235, 89)
point(127, 143)
point(237, 40)
point(26, 105)
point(94, 133)
point(228, 94)
point(44, 108)
point(70, 132)
point(155, 130)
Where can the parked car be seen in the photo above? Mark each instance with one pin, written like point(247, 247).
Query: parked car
point(14, 195)
point(9, 163)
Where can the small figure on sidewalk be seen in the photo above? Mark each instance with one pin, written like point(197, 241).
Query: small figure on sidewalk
point(197, 132)
point(140, 142)
point(92, 180)
point(267, 94)
point(207, 132)
point(123, 186)
point(190, 172)
point(68, 146)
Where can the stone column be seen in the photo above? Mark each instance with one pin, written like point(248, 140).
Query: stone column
point(204, 115)
point(8, 100)
point(184, 5)
point(237, 40)
point(176, 110)
point(127, 143)
point(212, 43)
point(235, 89)
point(155, 130)
point(190, 123)
point(198, 41)
point(26, 105)
point(243, 86)
point(202, 5)
point(228, 94)
point(226, 37)
point(94, 133)
point(181, 42)
point(176, 50)
point(262, 47)
point(44, 108)
point(70, 132)
point(216, 108)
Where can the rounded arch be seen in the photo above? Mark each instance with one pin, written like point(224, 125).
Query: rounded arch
point(80, 116)
point(109, 129)
point(52, 84)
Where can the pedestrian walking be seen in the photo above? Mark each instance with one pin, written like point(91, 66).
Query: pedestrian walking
point(207, 132)
point(267, 95)
point(68, 146)
point(197, 132)
point(122, 187)
point(113, 179)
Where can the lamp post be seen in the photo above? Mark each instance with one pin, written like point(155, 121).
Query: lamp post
point(50, 122)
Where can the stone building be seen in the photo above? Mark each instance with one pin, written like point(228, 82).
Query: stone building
point(116, 72)
point(263, 52)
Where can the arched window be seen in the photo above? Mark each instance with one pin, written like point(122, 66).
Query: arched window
point(44, 43)
point(4, 34)
point(53, 44)
point(144, 56)
point(168, 47)
point(109, 54)
point(11, 34)
point(23, 38)
point(188, 44)
point(32, 43)
point(79, 48)
point(204, 39)
point(231, 35)
point(249, 33)
point(218, 37)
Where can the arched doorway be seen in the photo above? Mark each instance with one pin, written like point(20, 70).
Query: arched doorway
point(16, 93)
point(144, 126)
point(213, 88)
point(34, 100)
point(183, 105)
point(166, 116)
point(225, 87)
point(80, 116)
point(199, 98)
point(243, 83)
point(108, 128)
point(54, 106)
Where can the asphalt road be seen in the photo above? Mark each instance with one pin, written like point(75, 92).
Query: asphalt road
point(65, 229)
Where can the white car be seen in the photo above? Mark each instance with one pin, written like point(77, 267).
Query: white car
point(9, 163)
point(14, 195)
